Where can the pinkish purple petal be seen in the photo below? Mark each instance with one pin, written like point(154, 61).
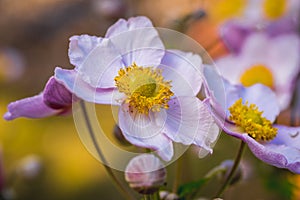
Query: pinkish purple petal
point(31, 107)
point(184, 69)
point(189, 122)
point(56, 96)
point(284, 25)
point(234, 33)
point(282, 152)
point(73, 82)
point(137, 41)
point(80, 47)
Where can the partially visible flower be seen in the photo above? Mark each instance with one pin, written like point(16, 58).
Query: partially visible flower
point(252, 11)
point(145, 173)
point(227, 165)
point(272, 61)
point(235, 32)
point(249, 115)
point(155, 88)
point(54, 100)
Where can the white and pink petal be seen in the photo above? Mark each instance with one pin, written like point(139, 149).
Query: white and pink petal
point(184, 70)
point(137, 41)
point(73, 82)
point(189, 122)
point(80, 46)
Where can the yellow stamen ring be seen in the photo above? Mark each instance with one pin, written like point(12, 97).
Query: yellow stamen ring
point(144, 87)
point(250, 119)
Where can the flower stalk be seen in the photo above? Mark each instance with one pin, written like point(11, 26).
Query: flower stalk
point(119, 185)
point(233, 169)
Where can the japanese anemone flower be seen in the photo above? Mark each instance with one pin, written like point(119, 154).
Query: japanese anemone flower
point(272, 61)
point(155, 88)
point(249, 114)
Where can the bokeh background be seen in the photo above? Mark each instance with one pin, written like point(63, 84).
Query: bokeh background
point(44, 159)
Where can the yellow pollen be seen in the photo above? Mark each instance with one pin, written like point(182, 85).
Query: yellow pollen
point(257, 74)
point(250, 119)
point(273, 9)
point(144, 87)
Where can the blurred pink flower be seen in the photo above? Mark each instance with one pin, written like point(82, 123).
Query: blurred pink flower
point(272, 61)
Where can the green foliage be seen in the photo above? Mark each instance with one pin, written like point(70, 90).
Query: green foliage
point(280, 184)
point(190, 189)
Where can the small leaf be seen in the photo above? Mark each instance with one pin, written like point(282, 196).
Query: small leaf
point(191, 188)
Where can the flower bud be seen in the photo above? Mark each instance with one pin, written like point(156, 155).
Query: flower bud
point(145, 173)
point(238, 175)
point(119, 136)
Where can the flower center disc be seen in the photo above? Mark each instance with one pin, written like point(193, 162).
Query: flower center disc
point(274, 9)
point(144, 87)
point(250, 119)
point(257, 74)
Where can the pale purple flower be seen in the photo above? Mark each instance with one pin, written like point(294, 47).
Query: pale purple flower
point(235, 32)
point(145, 173)
point(273, 61)
point(54, 100)
point(155, 88)
point(282, 151)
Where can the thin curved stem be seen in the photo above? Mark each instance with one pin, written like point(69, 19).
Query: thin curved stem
point(233, 169)
point(178, 174)
point(101, 155)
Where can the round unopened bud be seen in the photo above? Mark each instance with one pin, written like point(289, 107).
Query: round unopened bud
point(119, 136)
point(145, 173)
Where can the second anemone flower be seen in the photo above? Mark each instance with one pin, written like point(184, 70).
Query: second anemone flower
point(272, 61)
point(155, 88)
point(249, 113)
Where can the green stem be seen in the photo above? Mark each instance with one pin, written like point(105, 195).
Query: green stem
point(178, 174)
point(101, 155)
point(233, 169)
point(156, 196)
